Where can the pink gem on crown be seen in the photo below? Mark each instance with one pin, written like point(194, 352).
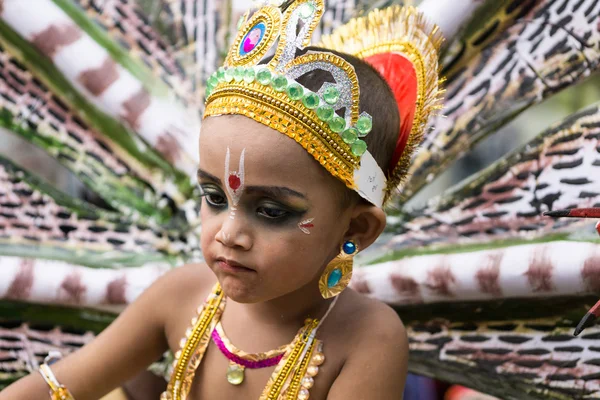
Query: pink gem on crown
point(252, 40)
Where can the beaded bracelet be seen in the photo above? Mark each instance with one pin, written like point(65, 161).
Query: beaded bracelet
point(57, 391)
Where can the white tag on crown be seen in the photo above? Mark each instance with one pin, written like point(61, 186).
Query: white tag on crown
point(370, 180)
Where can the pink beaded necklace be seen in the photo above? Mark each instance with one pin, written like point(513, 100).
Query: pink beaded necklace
point(240, 360)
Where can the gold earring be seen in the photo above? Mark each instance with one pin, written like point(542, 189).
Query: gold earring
point(338, 272)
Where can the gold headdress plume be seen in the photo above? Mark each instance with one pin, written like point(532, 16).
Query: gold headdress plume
point(403, 47)
point(328, 123)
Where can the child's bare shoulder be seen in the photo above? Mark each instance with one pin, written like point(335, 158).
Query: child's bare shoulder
point(183, 287)
point(372, 325)
point(189, 276)
point(375, 350)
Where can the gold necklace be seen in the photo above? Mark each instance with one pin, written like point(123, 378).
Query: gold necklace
point(292, 378)
point(239, 360)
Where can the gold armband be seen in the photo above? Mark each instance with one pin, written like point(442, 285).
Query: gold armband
point(57, 391)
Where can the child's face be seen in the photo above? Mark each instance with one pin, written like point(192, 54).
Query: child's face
point(268, 206)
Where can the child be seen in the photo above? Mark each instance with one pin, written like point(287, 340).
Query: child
point(298, 153)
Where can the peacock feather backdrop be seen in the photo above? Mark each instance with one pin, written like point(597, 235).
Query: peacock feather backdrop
point(489, 288)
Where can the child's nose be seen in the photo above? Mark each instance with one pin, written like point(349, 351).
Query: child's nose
point(234, 233)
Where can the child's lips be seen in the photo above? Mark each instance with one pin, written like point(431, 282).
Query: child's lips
point(232, 266)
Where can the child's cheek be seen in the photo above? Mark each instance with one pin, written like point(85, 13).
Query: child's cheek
point(210, 227)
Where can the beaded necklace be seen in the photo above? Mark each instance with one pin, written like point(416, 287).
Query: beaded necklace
point(240, 360)
point(293, 377)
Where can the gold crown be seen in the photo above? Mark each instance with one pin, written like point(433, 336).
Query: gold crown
point(270, 94)
point(398, 42)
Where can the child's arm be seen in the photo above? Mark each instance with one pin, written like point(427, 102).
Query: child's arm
point(131, 343)
point(378, 366)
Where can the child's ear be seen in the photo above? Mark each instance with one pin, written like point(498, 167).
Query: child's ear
point(366, 224)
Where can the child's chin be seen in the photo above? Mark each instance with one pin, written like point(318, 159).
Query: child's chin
point(239, 291)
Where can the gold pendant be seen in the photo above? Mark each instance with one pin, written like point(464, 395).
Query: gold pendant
point(235, 373)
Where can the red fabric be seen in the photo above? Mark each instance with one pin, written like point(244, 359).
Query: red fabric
point(595, 310)
point(400, 75)
point(457, 392)
point(585, 212)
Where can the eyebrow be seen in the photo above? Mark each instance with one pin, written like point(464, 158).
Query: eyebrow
point(274, 191)
point(270, 191)
point(205, 175)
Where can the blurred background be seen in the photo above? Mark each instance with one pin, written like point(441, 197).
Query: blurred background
point(512, 136)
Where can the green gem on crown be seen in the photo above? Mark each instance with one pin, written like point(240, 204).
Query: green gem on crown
point(249, 75)
point(307, 10)
point(331, 95)
point(212, 81)
point(359, 148)
point(264, 76)
point(325, 113)
point(295, 91)
point(228, 75)
point(350, 135)
point(279, 83)
point(221, 74)
point(364, 125)
point(238, 74)
point(337, 124)
point(310, 100)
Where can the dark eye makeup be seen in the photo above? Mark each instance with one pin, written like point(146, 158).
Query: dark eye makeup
point(215, 198)
point(268, 211)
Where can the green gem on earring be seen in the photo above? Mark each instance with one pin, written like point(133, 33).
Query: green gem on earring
point(350, 135)
point(331, 95)
point(364, 125)
point(334, 278)
point(295, 91)
point(325, 113)
point(359, 148)
point(264, 76)
point(310, 100)
point(337, 124)
point(279, 83)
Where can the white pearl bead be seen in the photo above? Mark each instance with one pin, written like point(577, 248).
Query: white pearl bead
point(303, 394)
point(308, 382)
point(312, 371)
point(318, 359)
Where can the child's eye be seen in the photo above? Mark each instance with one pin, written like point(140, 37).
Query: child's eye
point(271, 212)
point(214, 198)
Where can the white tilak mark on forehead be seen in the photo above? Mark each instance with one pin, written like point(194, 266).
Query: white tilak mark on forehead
point(234, 181)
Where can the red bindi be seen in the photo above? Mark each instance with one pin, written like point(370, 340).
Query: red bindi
point(234, 182)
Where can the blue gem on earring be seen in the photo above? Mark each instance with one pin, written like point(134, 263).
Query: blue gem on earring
point(334, 277)
point(349, 247)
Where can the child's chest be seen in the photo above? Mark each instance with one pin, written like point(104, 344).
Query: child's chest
point(210, 380)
